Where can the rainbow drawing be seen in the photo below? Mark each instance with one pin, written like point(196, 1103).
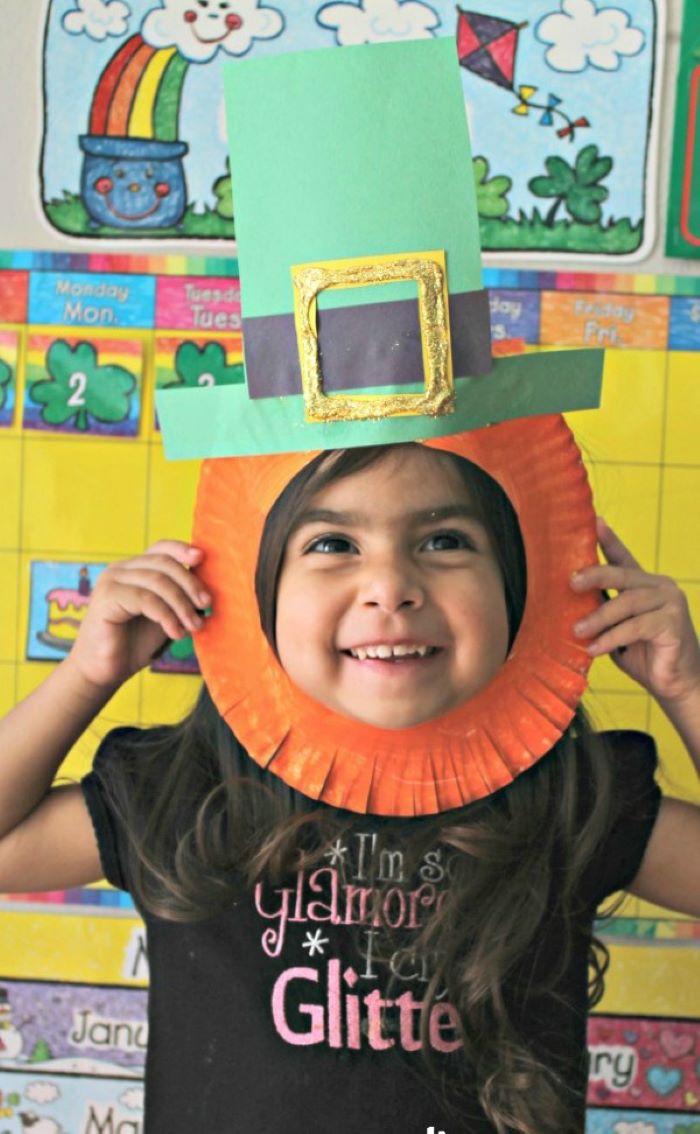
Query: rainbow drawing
point(132, 173)
point(138, 93)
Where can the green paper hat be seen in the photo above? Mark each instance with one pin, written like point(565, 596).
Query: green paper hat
point(364, 316)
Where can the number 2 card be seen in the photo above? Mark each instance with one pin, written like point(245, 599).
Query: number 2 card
point(83, 384)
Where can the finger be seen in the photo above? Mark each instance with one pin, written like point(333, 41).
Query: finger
point(182, 595)
point(185, 553)
point(140, 602)
point(609, 577)
point(641, 629)
point(166, 566)
point(614, 549)
point(143, 584)
point(628, 604)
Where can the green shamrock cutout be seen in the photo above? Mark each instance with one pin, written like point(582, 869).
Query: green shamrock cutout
point(205, 366)
point(79, 388)
point(5, 379)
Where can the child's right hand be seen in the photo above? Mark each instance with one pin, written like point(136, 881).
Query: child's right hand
point(135, 607)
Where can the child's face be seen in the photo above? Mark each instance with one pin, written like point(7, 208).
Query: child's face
point(392, 557)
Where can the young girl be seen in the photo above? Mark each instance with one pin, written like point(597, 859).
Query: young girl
point(313, 970)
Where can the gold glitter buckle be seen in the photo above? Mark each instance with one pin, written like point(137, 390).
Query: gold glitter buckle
point(428, 271)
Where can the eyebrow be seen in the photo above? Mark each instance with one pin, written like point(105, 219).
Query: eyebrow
point(436, 515)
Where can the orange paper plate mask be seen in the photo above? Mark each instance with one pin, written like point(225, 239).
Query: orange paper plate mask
point(472, 750)
point(368, 370)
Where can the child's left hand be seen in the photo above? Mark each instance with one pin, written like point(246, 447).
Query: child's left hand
point(646, 627)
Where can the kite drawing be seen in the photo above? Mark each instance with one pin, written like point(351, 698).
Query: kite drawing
point(487, 47)
point(562, 98)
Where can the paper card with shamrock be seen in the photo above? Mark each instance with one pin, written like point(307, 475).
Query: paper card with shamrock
point(179, 657)
point(83, 384)
point(9, 342)
point(201, 360)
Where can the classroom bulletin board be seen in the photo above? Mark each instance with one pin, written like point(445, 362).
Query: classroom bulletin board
point(88, 332)
point(84, 342)
point(563, 97)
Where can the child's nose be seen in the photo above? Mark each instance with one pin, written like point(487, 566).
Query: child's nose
point(391, 586)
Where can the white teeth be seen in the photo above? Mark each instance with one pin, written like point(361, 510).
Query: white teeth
point(384, 652)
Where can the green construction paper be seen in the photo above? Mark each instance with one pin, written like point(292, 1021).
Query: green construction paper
point(356, 296)
point(345, 153)
point(683, 216)
point(222, 421)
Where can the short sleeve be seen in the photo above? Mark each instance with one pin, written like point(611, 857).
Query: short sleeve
point(637, 798)
point(107, 767)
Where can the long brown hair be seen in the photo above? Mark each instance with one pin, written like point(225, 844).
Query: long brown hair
point(218, 823)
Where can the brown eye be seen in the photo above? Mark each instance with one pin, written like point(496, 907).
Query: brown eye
point(331, 545)
point(449, 541)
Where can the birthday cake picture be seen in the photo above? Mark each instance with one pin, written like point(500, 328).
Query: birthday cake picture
point(67, 608)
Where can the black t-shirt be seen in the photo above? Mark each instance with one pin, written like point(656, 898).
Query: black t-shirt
point(276, 1017)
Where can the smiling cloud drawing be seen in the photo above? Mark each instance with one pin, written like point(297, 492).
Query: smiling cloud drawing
point(97, 18)
point(582, 35)
point(374, 21)
point(198, 30)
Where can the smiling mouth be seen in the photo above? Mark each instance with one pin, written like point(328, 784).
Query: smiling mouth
point(400, 653)
point(132, 216)
point(218, 39)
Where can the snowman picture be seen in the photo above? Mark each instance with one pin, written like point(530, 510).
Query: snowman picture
point(38, 1124)
point(11, 1041)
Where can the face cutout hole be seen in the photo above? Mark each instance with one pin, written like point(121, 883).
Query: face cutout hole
point(492, 506)
point(396, 548)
